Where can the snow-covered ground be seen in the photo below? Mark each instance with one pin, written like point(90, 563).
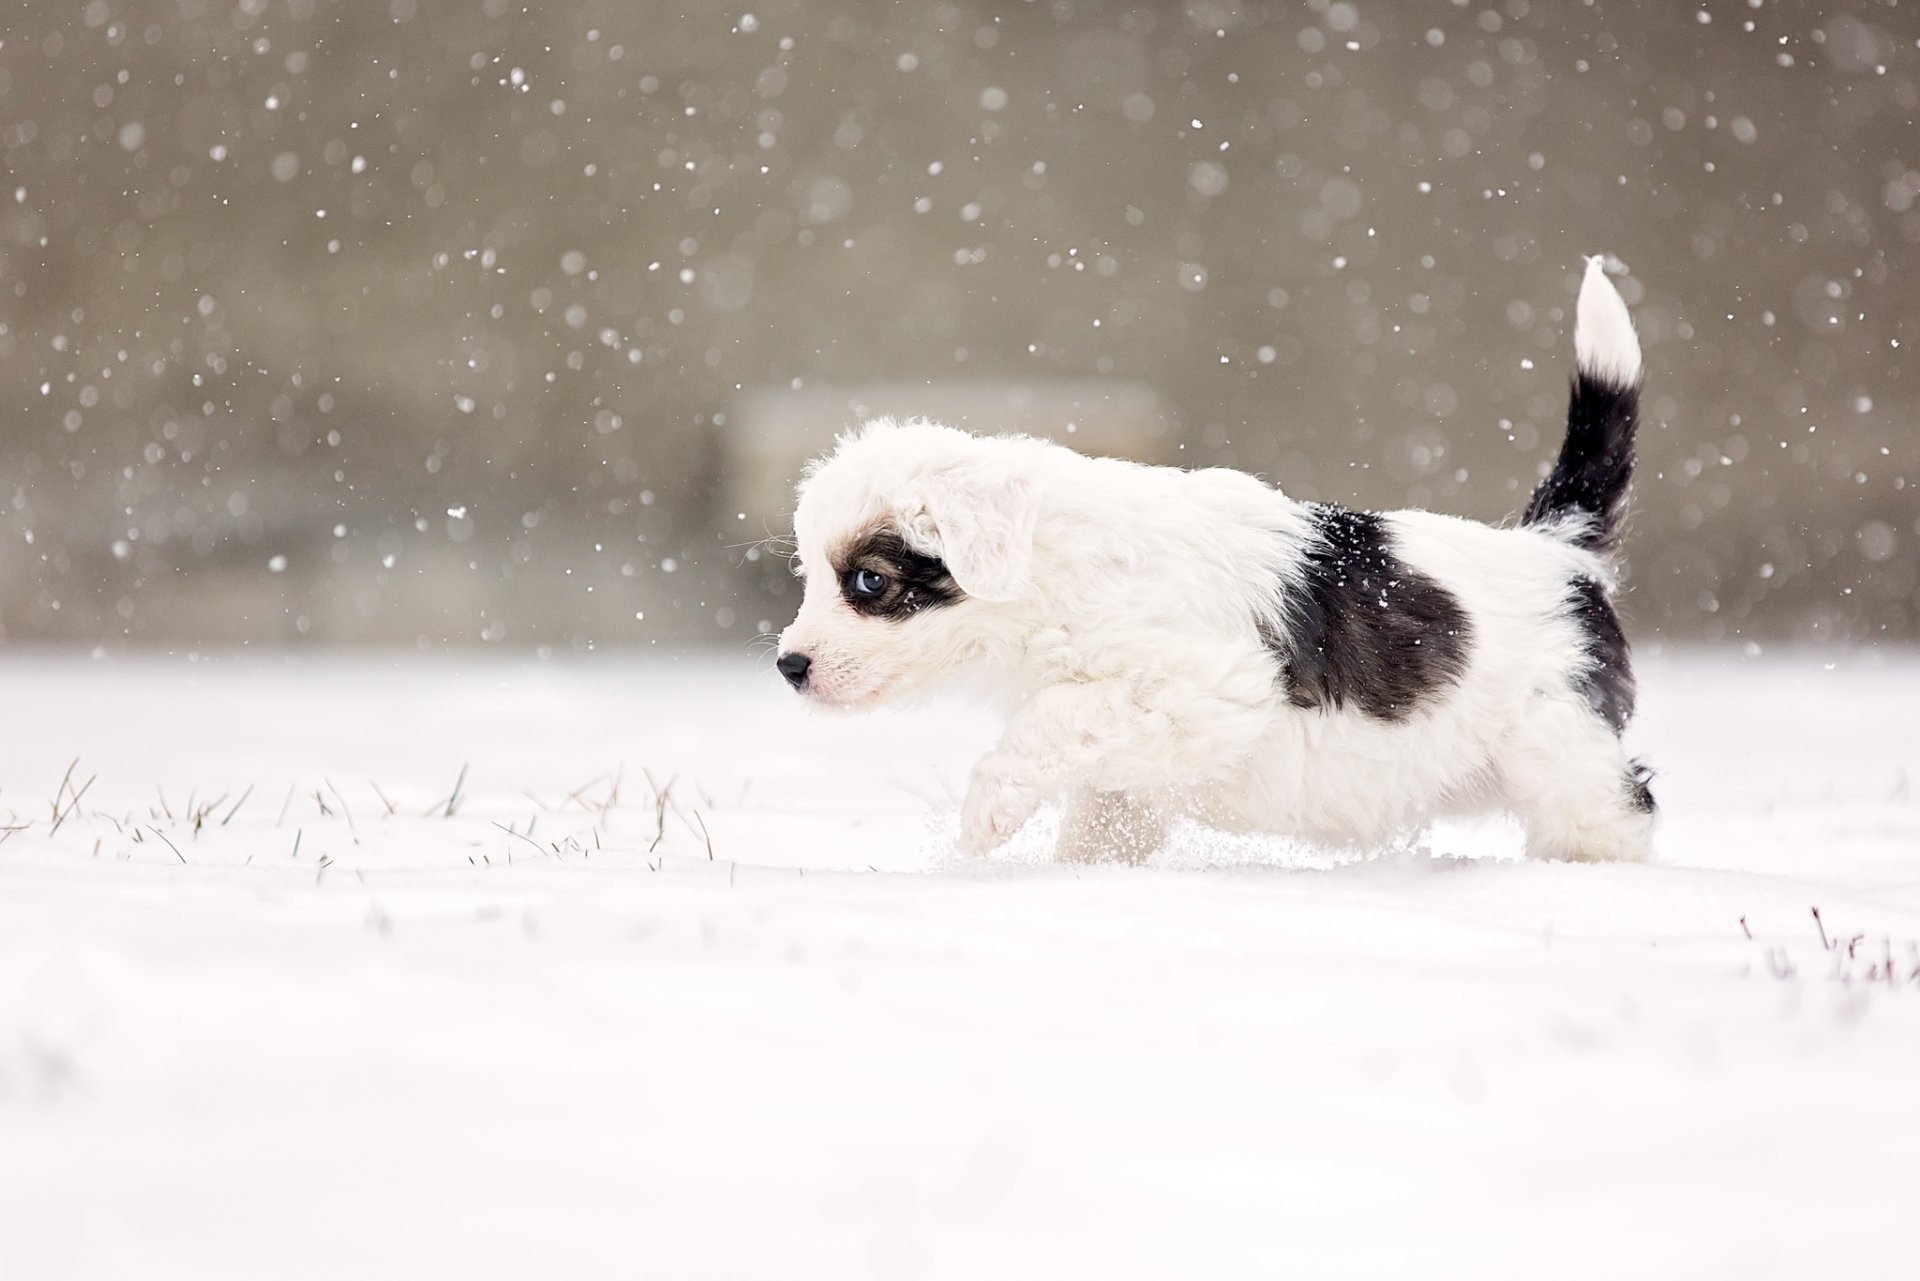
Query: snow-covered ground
point(271, 1004)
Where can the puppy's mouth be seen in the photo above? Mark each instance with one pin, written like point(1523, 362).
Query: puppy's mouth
point(854, 689)
point(835, 699)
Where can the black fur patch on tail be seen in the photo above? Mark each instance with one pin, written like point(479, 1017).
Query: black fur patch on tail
point(1639, 778)
point(1595, 466)
point(1607, 680)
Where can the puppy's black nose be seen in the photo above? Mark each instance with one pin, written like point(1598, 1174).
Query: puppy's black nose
point(794, 668)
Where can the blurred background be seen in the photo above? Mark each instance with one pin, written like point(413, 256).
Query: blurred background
point(476, 321)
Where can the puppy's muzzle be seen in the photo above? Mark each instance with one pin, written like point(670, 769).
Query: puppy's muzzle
point(794, 667)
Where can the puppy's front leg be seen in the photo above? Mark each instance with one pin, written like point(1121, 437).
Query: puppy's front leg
point(1112, 735)
point(1049, 743)
point(1004, 792)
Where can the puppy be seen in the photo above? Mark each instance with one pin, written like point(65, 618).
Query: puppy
point(1196, 643)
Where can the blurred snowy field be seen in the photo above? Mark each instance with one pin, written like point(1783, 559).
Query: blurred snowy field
point(405, 966)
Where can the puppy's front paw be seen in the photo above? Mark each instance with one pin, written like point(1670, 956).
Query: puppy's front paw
point(997, 806)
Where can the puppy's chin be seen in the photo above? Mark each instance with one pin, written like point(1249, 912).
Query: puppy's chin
point(840, 705)
point(869, 691)
point(852, 700)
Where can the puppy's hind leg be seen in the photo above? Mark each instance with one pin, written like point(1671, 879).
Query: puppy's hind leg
point(1573, 787)
point(1099, 826)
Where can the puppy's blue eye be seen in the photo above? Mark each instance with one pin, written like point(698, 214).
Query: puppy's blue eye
point(864, 584)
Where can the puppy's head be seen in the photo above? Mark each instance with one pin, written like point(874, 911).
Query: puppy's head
point(914, 541)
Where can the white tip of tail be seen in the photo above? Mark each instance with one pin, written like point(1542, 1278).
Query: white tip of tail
point(1603, 339)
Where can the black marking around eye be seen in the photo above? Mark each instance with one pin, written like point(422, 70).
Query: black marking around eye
point(1363, 626)
point(915, 581)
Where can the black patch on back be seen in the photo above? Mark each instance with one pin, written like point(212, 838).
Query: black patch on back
point(1607, 680)
point(915, 581)
point(1363, 627)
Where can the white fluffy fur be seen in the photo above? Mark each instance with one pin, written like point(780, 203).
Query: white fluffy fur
point(1116, 612)
point(1603, 337)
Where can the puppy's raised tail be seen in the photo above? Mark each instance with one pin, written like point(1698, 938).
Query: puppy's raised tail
point(1584, 497)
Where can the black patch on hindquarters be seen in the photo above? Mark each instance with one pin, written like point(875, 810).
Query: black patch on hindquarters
point(1639, 786)
point(1362, 628)
point(1606, 680)
point(1595, 466)
point(915, 581)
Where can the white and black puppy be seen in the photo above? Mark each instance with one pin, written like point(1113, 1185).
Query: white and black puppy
point(1196, 643)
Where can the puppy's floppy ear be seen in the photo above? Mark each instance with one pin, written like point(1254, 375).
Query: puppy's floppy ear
point(979, 520)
